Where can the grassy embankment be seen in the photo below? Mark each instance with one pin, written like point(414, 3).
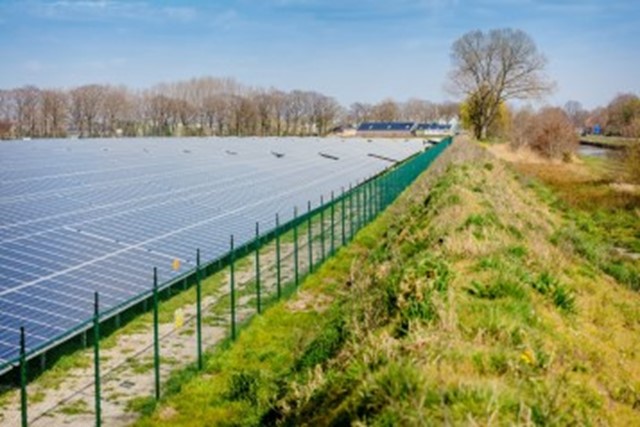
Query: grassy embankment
point(474, 300)
point(614, 141)
point(602, 210)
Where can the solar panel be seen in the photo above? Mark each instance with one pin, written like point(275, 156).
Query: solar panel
point(79, 216)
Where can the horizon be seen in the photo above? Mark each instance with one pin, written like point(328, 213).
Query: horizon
point(353, 51)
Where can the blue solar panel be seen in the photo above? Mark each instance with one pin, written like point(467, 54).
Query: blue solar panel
point(78, 216)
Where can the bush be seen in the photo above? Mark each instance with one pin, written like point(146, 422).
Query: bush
point(633, 162)
point(553, 134)
point(549, 132)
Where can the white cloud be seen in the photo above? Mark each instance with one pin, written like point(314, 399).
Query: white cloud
point(112, 10)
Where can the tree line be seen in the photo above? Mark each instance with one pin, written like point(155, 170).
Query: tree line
point(491, 68)
point(197, 107)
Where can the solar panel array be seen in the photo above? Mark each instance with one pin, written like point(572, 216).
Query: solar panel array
point(78, 216)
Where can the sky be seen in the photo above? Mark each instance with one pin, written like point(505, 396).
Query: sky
point(353, 50)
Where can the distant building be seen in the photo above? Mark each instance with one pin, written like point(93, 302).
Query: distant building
point(406, 129)
point(343, 130)
point(385, 129)
point(427, 129)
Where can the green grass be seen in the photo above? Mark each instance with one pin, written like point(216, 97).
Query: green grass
point(463, 304)
point(77, 407)
point(608, 140)
point(142, 405)
point(602, 223)
point(245, 377)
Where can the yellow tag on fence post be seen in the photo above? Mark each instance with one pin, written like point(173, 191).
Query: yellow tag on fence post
point(178, 318)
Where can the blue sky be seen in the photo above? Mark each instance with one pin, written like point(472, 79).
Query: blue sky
point(363, 50)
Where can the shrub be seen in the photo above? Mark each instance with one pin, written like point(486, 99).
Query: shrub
point(549, 132)
point(553, 134)
point(633, 162)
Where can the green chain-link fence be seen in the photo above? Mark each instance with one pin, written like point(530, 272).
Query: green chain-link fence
point(279, 260)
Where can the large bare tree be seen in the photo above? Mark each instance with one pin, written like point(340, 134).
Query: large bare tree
point(491, 68)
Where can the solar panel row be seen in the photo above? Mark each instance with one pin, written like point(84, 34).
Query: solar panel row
point(78, 216)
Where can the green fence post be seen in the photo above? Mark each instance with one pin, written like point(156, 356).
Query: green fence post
point(199, 309)
point(351, 220)
point(372, 199)
point(156, 335)
point(360, 206)
point(232, 280)
point(309, 236)
point(379, 194)
point(365, 202)
point(257, 242)
point(23, 379)
point(96, 357)
point(342, 215)
point(369, 199)
point(385, 192)
point(322, 245)
point(296, 272)
point(359, 209)
point(333, 225)
point(278, 270)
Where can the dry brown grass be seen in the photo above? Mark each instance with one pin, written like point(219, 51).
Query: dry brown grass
point(579, 184)
point(632, 161)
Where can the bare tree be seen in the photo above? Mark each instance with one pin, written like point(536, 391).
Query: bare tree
point(418, 110)
point(54, 113)
point(86, 109)
point(494, 67)
point(7, 117)
point(359, 112)
point(448, 110)
point(576, 113)
point(27, 104)
point(325, 110)
point(621, 113)
point(386, 111)
point(115, 108)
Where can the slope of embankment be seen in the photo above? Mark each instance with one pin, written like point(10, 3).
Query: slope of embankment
point(461, 304)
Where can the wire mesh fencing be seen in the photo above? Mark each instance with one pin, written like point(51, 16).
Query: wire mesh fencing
point(127, 373)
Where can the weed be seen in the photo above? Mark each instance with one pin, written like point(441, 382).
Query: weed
point(77, 407)
point(142, 405)
point(324, 346)
point(562, 297)
point(243, 385)
point(500, 288)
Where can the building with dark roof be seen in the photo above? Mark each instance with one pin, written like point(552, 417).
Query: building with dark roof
point(434, 128)
point(404, 129)
point(386, 129)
